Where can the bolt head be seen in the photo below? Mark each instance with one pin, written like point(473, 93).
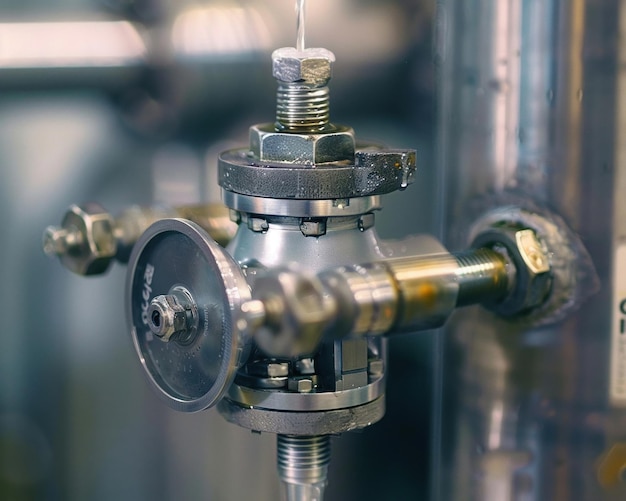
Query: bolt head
point(300, 384)
point(310, 66)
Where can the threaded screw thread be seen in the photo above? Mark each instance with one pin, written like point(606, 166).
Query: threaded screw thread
point(482, 273)
point(303, 461)
point(301, 107)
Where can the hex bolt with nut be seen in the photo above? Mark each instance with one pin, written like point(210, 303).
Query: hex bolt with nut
point(172, 316)
point(302, 99)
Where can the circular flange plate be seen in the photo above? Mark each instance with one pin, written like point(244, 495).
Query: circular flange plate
point(194, 375)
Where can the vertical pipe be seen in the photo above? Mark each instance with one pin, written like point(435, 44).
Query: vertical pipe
point(532, 113)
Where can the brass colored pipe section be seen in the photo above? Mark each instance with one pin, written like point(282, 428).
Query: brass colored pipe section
point(431, 287)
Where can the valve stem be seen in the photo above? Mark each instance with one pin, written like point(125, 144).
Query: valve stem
point(303, 466)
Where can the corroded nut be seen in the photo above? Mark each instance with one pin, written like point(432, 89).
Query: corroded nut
point(297, 312)
point(306, 149)
point(532, 277)
point(309, 66)
point(85, 243)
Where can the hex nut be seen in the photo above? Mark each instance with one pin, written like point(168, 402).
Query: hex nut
point(95, 245)
point(310, 66)
point(301, 384)
point(532, 276)
point(268, 145)
point(297, 311)
point(166, 317)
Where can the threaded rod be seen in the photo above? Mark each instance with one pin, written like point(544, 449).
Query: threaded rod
point(482, 276)
point(303, 466)
point(301, 107)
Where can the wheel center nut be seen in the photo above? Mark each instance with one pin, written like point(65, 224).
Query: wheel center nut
point(168, 316)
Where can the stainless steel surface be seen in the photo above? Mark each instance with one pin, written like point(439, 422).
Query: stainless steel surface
point(319, 401)
point(193, 372)
point(295, 313)
point(292, 312)
point(303, 466)
point(282, 244)
point(301, 208)
point(109, 445)
point(532, 116)
point(90, 238)
point(302, 99)
point(85, 242)
point(173, 316)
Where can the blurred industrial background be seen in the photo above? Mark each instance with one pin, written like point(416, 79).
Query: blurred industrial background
point(129, 102)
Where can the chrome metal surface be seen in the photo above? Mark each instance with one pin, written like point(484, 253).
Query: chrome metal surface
point(191, 375)
point(366, 291)
point(90, 238)
point(84, 243)
point(304, 402)
point(302, 99)
point(174, 316)
point(532, 115)
point(484, 273)
point(301, 208)
point(296, 311)
point(284, 244)
point(303, 466)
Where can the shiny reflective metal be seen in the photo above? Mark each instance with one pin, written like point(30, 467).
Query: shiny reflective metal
point(295, 312)
point(302, 99)
point(319, 401)
point(85, 242)
point(90, 238)
point(303, 466)
point(533, 280)
point(302, 148)
point(532, 115)
point(173, 315)
point(194, 372)
point(301, 207)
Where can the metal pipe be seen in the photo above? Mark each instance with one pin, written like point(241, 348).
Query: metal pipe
point(531, 115)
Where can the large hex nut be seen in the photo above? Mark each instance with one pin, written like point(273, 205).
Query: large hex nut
point(532, 272)
point(305, 149)
point(309, 66)
point(95, 247)
point(296, 313)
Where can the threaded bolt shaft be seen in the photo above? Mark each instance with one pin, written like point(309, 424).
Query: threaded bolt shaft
point(302, 99)
point(302, 108)
point(482, 273)
point(303, 466)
